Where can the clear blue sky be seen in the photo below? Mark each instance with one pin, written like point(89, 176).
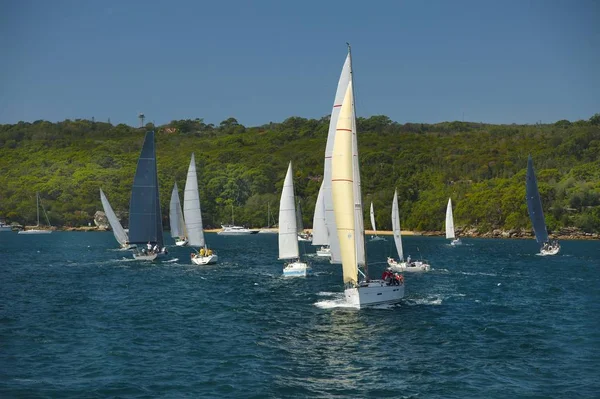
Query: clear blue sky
point(514, 61)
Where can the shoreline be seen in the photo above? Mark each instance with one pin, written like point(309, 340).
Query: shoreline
point(563, 234)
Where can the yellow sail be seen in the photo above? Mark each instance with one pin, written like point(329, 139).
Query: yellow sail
point(342, 190)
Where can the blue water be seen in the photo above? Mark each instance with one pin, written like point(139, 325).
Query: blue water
point(491, 320)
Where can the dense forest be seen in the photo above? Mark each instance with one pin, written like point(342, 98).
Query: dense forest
point(480, 166)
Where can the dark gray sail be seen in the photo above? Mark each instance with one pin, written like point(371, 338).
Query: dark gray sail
point(145, 221)
point(534, 205)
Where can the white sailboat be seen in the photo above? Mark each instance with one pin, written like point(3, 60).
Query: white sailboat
point(118, 230)
point(400, 265)
point(193, 219)
point(288, 230)
point(178, 228)
point(37, 230)
point(450, 225)
point(374, 227)
point(325, 231)
point(348, 216)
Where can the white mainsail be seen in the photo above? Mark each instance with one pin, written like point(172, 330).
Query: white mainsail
point(178, 229)
point(288, 234)
point(330, 220)
point(372, 214)
point(343, 190)
point(191, 207)
point(449, 221)
point(320, 233)
point(113, 220)
point(396, 227)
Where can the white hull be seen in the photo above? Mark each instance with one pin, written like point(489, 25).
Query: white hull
point(456, 242)
point(142, 257)
point(324, 252)
point(5, 228)
point(35, 231)
point(553, 251)
point(181, 243)
point(297, 269)
point(204, 260)
point(375, 292)
point(416, 267)
point(304, 238)
point(236, 231)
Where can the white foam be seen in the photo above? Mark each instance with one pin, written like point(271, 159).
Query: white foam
point(425, 301)
point(171, 260)
point(335, 303)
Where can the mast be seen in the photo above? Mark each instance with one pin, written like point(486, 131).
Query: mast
point(359, 234)
point(37, 203)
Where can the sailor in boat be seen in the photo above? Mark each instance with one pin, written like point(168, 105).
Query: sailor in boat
point(387, 276)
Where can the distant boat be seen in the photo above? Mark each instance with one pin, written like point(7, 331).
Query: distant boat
point(347, 205)
point(5, 227)
point(178, 228)
point(269, 229)
point(302, 235)
point(288, 231)
point(145, 221)
point(450, 225)
point(233, 230)
point(193, 219)
point(400, 265)
point(37, 230)
point(375, 237)
point(115, 225)
point(536, 214)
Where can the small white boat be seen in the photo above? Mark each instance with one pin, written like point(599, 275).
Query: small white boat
point(178, 227)
point(324, 252)
point(288, 230)
point(400, 265)
point(347, 205)
point(37, 230)
point(306, 237)
point(192, 213)
point(5, 227)
point(374, 227)
point(232, 230)
point(116, 227)
point(536, 214)
point(450, 225)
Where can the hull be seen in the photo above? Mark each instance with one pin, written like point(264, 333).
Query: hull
point(142, 257)
point(324, 252)
point(236, 231)
point(181, 243)
point(456, 242)
point(297, 269)
point(413, 267)
point(373, 293)
point(550, 252)
point(304, 238)
point(204, 260)
point(35, 231)
point(5, 228)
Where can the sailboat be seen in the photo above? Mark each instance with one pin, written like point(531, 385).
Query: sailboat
point(450, 225)
point(37, 230)
point(536, 214)
point(302, 235)
point(400, 265)
point(193, 219)
point(115, 225)
point(145, 221)
point(269, 229)
point(324, 231)
point(347, 205)
point(178, 228)
point(233, 230)
point(375, 237)
point(288, 231)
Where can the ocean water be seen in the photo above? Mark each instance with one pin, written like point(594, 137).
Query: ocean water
point(80, 319)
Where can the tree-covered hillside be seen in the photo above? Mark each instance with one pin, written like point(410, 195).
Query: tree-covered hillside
point(481, 166)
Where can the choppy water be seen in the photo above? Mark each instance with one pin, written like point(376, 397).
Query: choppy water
point(492, 320)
